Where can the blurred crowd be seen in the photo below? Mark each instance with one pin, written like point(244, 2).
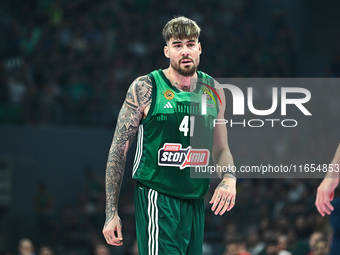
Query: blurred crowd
point(271, 217)
point(71, 62)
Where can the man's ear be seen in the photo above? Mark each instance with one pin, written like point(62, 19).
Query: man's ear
point(199, 48)
point(166, 51)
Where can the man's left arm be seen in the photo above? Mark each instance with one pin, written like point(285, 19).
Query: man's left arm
point(224, 195)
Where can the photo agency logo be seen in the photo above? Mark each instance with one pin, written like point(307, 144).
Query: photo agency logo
point(281, 97)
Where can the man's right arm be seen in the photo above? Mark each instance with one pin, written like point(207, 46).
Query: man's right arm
point(137, 99)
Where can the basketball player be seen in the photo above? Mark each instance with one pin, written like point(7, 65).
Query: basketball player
point(325, 193)
point(165, 108)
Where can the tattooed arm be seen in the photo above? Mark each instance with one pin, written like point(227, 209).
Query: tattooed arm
point(138, 99)
point(224, 196)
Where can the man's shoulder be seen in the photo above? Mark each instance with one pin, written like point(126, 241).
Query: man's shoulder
point(140, 89)
point(142, 82)
point(144, 78)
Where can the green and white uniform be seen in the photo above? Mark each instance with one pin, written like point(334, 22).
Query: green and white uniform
point(173, 139)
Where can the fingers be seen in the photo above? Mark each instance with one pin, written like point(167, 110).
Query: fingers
point(231, 205)
point(328, 206)
point(331, 196)
point(213, 197)
point(323, 210)
point(323, 204)
point(112, 239)
point(113, 234)
point(216, 201)
point(222, 202)
point(227, 206)
point(119, 233)
point(318, 204)
point(223, 207)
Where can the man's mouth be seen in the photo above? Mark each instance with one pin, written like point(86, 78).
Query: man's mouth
point(186, 61)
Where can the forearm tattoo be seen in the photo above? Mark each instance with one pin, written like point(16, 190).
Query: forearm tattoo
point(137, 98)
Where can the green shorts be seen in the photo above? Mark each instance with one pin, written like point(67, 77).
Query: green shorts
point(168, 225)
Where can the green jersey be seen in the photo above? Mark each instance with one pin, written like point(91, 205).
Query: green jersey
point(176, 137)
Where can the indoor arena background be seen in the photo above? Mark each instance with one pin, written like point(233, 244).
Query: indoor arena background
point(65, 67)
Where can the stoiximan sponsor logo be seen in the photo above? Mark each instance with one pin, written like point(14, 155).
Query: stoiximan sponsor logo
point(172, 154)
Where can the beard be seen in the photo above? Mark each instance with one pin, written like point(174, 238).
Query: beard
point(186, 71)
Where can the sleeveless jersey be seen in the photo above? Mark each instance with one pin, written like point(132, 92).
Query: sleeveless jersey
point(176, 137)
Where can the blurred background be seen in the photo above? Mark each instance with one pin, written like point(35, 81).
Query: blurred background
point(65, 67)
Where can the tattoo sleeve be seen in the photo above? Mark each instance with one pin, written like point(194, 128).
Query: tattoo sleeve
point(137, 98)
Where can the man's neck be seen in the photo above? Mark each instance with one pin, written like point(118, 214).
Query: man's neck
point(181, 82)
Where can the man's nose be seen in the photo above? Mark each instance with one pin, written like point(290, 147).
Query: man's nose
point(185, 51)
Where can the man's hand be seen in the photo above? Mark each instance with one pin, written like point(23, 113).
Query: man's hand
point(113, 231)
point(326, 189)
point(325, 195)
point(224, 196)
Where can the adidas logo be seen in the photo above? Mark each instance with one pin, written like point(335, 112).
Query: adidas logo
point(168, 105)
